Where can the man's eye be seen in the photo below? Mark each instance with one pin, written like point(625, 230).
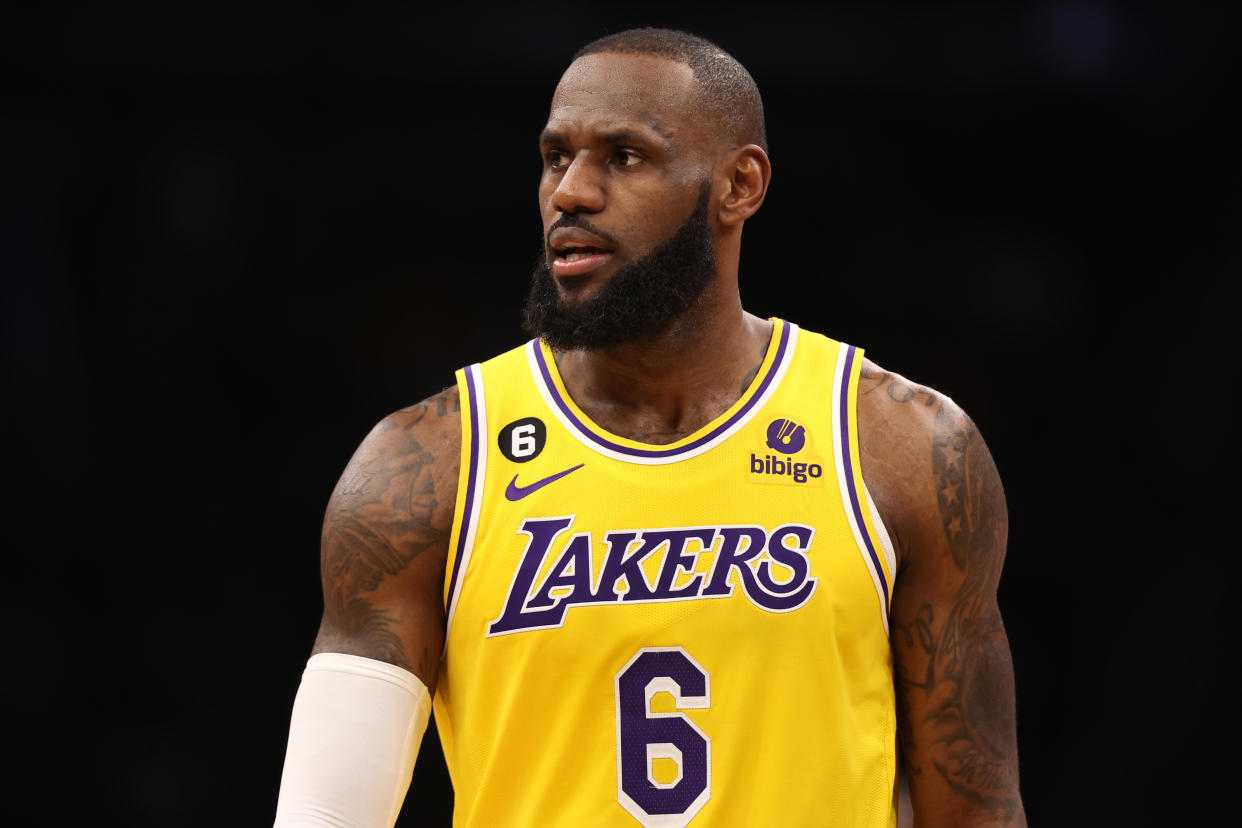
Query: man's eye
point(555, 159)
point(628, 158)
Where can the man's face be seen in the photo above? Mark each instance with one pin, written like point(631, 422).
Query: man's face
point(625, 162)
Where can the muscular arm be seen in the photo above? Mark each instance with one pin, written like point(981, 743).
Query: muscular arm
point(938, 491)
point(385, 540)
point(356, 723)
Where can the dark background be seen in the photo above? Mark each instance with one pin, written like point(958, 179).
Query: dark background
point(235, 236)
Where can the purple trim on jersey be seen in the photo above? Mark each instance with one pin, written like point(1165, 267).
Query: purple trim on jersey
point(849, 471)
point(472, 480)
point(668, 452)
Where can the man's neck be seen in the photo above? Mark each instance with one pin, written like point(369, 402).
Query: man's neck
point(669, 386)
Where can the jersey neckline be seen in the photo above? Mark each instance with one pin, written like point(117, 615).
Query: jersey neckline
point(552, 388)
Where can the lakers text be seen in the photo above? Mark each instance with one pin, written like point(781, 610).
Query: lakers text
point(690, 564)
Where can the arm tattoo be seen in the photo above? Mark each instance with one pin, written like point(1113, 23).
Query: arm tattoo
point(381, 517)
point(966, 691)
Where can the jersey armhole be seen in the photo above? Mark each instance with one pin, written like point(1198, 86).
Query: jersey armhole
point(881, 533)
point(469, 487)
point(874, 544)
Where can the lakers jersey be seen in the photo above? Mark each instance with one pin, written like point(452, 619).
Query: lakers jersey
point(668, 635)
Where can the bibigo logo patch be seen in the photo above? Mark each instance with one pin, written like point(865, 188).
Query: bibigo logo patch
point(787, 456)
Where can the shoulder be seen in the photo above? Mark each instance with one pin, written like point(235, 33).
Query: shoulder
point(431, 426)
point(408, 464)
point(385, 538)
point(895, 413)
point(918, 447)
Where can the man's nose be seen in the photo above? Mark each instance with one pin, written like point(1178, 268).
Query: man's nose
point(581, 188)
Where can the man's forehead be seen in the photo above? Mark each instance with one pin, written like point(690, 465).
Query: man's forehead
point(644, 88)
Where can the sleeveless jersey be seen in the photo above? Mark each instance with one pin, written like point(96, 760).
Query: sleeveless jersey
point(668, 635)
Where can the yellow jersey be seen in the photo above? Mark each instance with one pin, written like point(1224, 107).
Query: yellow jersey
point(668, 635)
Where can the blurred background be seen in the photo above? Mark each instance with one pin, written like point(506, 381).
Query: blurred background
point(233, 236)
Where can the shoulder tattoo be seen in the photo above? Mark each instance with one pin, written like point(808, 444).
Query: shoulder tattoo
point(381, 517)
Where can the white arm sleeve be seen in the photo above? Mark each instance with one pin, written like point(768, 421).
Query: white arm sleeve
point(356, 727)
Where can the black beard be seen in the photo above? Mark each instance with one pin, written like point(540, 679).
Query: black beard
point(642, 298)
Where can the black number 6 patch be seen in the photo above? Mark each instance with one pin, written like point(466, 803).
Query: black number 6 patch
point(523, 439)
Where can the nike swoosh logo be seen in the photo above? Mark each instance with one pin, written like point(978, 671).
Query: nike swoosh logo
point(515, 492)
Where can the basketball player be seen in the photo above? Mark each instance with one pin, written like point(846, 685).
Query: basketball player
point(667, 563)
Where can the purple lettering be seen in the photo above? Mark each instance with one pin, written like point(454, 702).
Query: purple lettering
point(542, 532)
point(676, 558)
point(572, 569)
point(617, 566)
point(782, 597)
point(733, 553)
point(748, 550)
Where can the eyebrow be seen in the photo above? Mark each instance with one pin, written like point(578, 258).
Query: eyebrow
point(549, 136)
point(626, 136)
point(614, 136)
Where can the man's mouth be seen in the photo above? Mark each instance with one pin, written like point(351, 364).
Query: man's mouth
point(578, 261)
point(576, 252)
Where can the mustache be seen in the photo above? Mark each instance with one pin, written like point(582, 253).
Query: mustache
point(575, 220)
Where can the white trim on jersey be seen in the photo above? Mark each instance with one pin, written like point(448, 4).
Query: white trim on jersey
point(840, 386)
point(480, 440)
point(881, 532)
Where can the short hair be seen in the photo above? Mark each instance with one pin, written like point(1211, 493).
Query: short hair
point(725, 86)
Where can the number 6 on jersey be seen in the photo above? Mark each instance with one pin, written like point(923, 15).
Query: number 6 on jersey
point(644, 736)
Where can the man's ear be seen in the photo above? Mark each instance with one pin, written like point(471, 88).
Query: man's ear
point(749, 171)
